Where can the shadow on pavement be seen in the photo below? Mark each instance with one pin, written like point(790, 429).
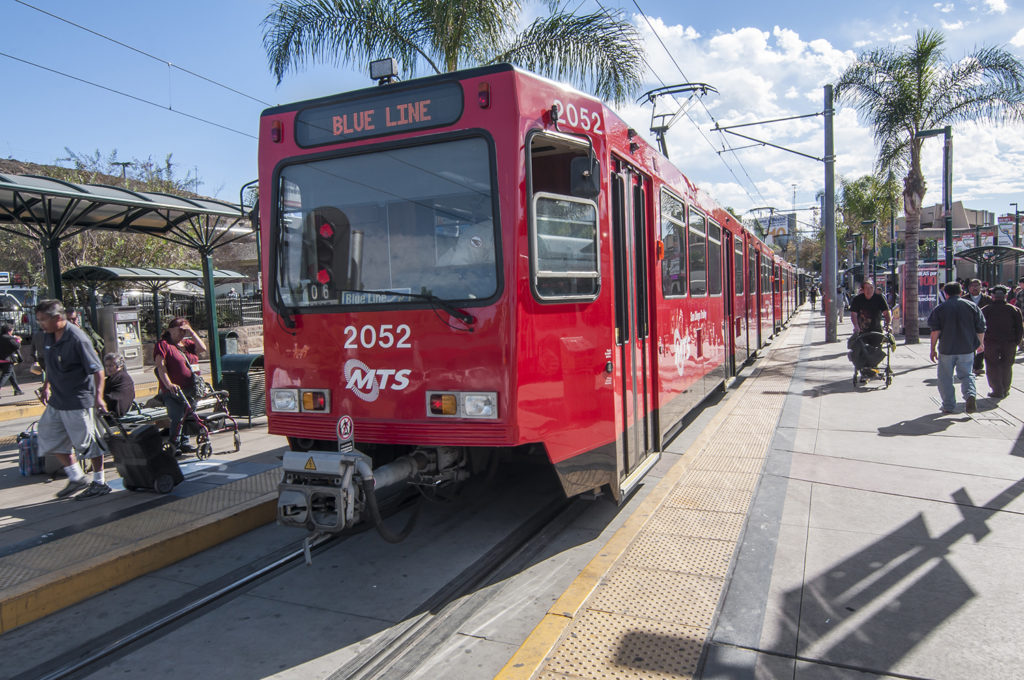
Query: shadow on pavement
point(922, 426)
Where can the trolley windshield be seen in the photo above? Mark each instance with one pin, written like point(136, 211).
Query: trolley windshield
point(362, 229)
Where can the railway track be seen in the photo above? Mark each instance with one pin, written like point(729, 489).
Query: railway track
point(395, 654)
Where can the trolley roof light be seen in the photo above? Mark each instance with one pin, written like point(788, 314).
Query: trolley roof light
point(384, 70)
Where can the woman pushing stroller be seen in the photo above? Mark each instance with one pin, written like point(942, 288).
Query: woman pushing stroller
point(176, 358)
point(867, 312)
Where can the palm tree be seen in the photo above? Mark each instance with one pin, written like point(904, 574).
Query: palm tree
point(868, 199)
point(598, 51)
point(902, 92)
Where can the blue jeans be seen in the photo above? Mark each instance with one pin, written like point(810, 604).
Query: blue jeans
point(964, 365)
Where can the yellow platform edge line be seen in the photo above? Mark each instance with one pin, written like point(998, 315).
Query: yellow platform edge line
point(545, 636)
point(17, 411)
point(52, 592)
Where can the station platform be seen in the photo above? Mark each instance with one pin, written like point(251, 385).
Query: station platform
point(27, 405)
point(55, 553)
point(814, 529)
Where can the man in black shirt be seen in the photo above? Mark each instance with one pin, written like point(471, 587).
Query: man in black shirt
point(867, 310)
point(1003, 332)
point(958, 330)
point(72, 390)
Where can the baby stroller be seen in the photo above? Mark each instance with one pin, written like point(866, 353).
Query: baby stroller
point(867, 350)
point(207, 415)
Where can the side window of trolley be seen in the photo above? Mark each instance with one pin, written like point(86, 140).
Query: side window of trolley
point(752, 269)
point(714, 258)
point(737, 268)
point(698, 255)
point(563, 220)
point(673, 237)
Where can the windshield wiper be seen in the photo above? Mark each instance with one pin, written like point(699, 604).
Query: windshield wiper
point(461, 315)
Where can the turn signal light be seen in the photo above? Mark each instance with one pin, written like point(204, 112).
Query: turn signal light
point(443, 404)
point(276, 131)
point(315, 401)
point(483, 95)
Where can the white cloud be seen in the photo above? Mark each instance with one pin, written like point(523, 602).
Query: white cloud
point(997, 6)
point(762, 75)
point(1018, 40)
point(944, 8)
point(956, 26)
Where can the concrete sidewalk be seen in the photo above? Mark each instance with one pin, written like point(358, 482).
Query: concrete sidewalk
point(885, 538)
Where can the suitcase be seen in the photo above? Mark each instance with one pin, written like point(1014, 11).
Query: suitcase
point(143, 459)
point(29, 461)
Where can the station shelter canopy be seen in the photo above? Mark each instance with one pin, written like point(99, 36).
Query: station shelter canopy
point(50, 211)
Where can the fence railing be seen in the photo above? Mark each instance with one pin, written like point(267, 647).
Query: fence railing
point(230, 312)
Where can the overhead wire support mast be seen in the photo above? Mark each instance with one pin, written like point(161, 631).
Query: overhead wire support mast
point(658, 125)
point(760, 142)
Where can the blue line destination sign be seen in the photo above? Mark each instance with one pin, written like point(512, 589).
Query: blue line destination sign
point(384, 114)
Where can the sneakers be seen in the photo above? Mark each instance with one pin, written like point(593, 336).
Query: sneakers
point(95, 489)
point(18, 393)
point(972, 405)
point(72, 487)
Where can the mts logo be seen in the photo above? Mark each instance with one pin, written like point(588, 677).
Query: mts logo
point(367, 383)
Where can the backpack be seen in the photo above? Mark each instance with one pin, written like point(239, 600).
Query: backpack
point(9, 346)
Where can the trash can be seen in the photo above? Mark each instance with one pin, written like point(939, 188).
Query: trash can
point(228, 341)
point(243, 376)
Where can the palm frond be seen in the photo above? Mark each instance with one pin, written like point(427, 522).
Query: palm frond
point(987, 85)
point(455, 28)
point(338, 31)
point(600, 52)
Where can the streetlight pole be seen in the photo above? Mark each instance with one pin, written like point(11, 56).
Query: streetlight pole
point(947, 189)
point(1016, 243)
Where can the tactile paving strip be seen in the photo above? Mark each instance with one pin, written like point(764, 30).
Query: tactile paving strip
point(697, 523)
point(11, 575)
point(702, 556)
point(650, 615)
point(716, 479)
point(726, 463)
point(721, 500)
point(659, 595)
point(616, 647)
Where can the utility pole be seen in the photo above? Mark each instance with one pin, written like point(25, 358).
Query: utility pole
point(124, 165)
point(830, 255)
point(829, 216)
point(796, 231)
point(1016, 243)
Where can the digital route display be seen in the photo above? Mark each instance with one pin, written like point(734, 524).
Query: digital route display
point(384, 114)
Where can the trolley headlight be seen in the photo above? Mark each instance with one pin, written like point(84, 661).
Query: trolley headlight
point(480, 405)
point(286, 401)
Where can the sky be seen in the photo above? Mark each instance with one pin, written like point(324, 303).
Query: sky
point(68, 88)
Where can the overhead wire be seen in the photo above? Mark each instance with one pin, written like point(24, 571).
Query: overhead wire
point(142, 52)
point(130, 96)
point(725, 148)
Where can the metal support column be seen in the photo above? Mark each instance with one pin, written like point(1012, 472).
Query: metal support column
point(213, 341)
point(51, 262)
point(947, 198)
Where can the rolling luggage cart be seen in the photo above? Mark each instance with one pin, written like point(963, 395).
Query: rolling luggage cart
point(142, 457)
